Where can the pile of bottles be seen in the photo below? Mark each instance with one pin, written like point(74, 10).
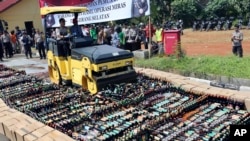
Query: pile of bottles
point(209, 121)
point(149, 109)
point(7, 71)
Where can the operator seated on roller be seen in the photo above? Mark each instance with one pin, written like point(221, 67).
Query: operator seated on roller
point(62, 37)
point(76, 30)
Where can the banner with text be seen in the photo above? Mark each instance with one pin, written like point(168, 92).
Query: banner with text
point(104, 11)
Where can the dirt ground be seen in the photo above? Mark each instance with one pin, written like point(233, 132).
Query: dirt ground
point(212, 42)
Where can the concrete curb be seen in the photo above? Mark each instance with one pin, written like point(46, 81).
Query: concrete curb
point(18, 126)
point(242, 88)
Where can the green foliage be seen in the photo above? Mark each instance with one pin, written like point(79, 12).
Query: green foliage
point(185, 9)
point(241, 6)
point(228, 7)
point(217, 7)
point(230, 66)
point(160, 10)
point(188, 10)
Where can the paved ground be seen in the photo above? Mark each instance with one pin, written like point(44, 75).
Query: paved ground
point(33, 65)
point(3, 138)
point(36, 65)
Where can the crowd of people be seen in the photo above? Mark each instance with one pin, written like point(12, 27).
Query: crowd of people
point(125, 36)
point(129, 37)
point(219, 24)
point(18, 41)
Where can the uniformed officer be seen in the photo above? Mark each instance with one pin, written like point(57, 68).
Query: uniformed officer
point(139, 8)
point(1, 50)
point(62, 34)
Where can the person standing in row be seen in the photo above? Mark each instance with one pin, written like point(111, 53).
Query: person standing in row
point(236, 39)
point(85, 31)
point(150, 31)
point(26, 39)
point(114, 37)
point(93, 33)
point(13, 41)
point(1, 51)
point(6, 40)
point(18, 34)
point(101, 35)
point(121, 37)
point(159, 39)
point(39, 41)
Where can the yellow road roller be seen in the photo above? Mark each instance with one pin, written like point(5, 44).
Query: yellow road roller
point(88, 65)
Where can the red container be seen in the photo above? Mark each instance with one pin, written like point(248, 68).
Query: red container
point(171, 39)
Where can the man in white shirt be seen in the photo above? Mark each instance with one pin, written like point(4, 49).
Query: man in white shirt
point(5, 38)
point(39, 39)
point(85, 31)
point(236, 39)
point(61, 36)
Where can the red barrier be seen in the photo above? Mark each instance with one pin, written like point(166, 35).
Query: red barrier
point(171, 39)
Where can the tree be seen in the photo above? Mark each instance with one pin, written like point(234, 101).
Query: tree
point(184, 9)
point(189, 10)
point(220, 8)
point(241, 7)
point(227, 8)
point(160, 10)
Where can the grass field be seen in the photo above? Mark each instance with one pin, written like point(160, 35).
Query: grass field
point(206, 53)
point(230, 66)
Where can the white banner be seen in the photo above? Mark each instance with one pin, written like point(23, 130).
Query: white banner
point(104, 11)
